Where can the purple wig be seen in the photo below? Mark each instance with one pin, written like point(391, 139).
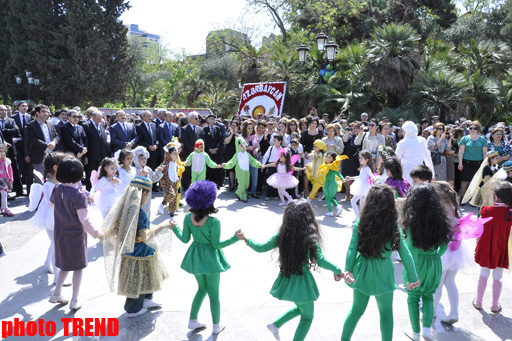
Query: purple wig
point(201, 195)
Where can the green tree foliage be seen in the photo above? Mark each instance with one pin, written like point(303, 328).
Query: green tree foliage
point(223, 68)
point(78, 49)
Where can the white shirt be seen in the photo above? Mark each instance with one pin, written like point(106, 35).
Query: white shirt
point(270, 155)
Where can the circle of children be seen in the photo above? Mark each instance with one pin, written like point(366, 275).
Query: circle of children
point(398, 208)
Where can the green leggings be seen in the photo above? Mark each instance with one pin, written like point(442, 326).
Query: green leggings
point(413, 301)
point(331, 201)
point(207, 284)
point(385, 305)
point(306, 312)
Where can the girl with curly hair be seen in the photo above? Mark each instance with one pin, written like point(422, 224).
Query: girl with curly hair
point(298, 241)
point(369, 268)
point(427, 228)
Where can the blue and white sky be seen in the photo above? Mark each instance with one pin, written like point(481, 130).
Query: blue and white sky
point(184, 25)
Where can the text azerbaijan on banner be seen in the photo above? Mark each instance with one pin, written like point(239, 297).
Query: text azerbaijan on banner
point(262, 98)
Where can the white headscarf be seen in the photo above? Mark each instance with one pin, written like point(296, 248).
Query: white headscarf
point(410, 129)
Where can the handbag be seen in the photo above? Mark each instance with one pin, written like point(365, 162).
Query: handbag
point(436, 157)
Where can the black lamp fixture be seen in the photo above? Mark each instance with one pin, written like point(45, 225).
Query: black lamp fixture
point(324, 44)
point(31, 80)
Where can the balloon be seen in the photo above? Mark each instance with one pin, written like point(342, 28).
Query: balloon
point(322, 72)
point(329, 67)
point(327, 76)
point(332, 72)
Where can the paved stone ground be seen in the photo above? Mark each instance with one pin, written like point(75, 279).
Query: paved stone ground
point(247, 307)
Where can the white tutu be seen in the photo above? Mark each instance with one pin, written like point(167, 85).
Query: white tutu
point(282, 181)
point(362, 183)
point(44, 218)
point(460, 258)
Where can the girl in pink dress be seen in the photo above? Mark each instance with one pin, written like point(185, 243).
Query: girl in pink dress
point(5, 179)
point(284, 178)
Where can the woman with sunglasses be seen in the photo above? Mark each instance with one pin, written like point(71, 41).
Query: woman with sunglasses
point(438, 143)
point(293, 127)
point(472, 150)
point(371, 140)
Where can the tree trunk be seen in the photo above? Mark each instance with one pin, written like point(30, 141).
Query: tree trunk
point(173, 98)
point(393, 101)
point(153, 101)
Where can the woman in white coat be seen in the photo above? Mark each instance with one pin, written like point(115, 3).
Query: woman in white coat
point(412, 151)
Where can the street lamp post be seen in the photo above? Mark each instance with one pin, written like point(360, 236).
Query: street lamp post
point(31, 80)
point(323, 45)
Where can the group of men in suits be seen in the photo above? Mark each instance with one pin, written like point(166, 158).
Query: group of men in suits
point(30, 139)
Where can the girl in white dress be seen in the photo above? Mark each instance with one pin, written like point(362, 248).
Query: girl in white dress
point(126, 171)
point(44, 215)
point(107, 189)
point(140, 159)
point(361, 186)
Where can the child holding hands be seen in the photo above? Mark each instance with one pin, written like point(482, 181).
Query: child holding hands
point(298, 241)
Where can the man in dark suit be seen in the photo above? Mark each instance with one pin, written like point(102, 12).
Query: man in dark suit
point(98, 146)
point(10, 134)
point(40, 138)
point(24, 168)
point(73, 136)
point(148, 137)
point(160, 117)
point(122, 134)
point(166, 132)
point(213, 140)
point(189, 135)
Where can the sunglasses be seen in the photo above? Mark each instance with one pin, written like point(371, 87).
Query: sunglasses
point(440, 128)
point(473, 128)
point(75, 116)
point(293, 124)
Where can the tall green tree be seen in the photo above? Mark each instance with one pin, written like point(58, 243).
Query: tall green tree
point(393, 60)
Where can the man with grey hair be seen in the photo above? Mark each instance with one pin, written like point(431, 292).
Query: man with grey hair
point(160, 117)
point(122, 134)
point(189, 135)
point(98, 146)
point(148, 138)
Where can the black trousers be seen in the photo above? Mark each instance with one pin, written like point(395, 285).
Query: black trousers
point(215, 174)
point(88, 168)
point(271, 191)
point(133, 305)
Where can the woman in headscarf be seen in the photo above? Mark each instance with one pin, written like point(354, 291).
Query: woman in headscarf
point(412, 151)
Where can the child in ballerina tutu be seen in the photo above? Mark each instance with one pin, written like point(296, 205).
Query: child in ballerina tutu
point(132, 250)
point(459, 253)
point(393, 169)
point(204, 258)
point(107, 189)
point(126, 170)
point(369, 269)
point(6, 179)
point(283, 179)
point(298, 241)
point(493, 249)
point(43, 217)
point(171, 179)
point(140, 159)
point(428, 230)
point(359, 189)
point(331, 168)
point(71, 227)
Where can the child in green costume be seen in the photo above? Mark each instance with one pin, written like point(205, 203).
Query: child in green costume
point(198, 159)
point(204, 258)
point(369, 269)
point(428, 231)
point(331, 168)
point(241, 161)
point(298, 241)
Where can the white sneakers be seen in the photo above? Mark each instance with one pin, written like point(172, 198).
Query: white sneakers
point(450, 319)
point(161, 208)
point(217, 328)
point(148, 304)
point(140, 312)
point(193, 324)
point(329, 214)
point(272, 327)
point(338, 210)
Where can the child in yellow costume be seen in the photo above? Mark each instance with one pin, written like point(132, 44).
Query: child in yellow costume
point(313, 169)
point(330, 169)
point(170, 181)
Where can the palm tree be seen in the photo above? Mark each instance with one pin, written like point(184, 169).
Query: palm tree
point(438, 92)
point(484, 99)
point(491, 58)
point(393, 60)
point(221, 101)
point(251, 61)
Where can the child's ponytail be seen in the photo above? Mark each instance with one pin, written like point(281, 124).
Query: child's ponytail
point(504, 193)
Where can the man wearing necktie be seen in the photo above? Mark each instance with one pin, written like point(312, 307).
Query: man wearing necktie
point(25, 169)
point(147, 132)
point(213, 141)
point(122, 134)
point(11, 133)
point(98, 147)
point(166, 132)
point(74, 137)
point(40, 138)
point(189, 135)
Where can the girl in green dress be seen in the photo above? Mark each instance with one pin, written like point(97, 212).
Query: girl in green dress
point(369, 268)
point(298, 241)
point(204, 258)
point(428, 231)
